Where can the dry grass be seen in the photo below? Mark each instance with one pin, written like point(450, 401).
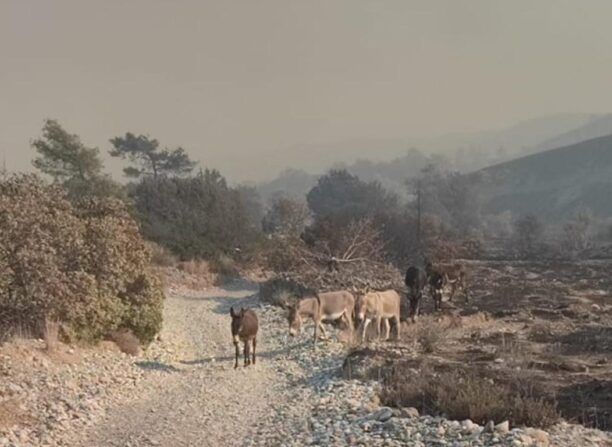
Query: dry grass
point(430, 337)
point(225, 268)
point(51, 334)
point(15, 331)
point(195, 267)
point(161, 256)
point(461, 394)
point(127, 342)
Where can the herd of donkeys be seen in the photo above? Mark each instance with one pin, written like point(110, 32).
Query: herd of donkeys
point(370, 306)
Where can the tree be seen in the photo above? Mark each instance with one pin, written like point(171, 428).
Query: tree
point(148, 159)
point(338, 200)
point(251, 202)
point(286, 217)
point(528, 232)
point(195, 217)
point(68, 161)
point(449, 195)
point(343, 197)
point(577, 232)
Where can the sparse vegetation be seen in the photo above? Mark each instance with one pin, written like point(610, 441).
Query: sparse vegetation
point(464, 394)
point(429, 337)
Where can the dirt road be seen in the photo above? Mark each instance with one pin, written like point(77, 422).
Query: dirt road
point(294, 396)
point(201, 400)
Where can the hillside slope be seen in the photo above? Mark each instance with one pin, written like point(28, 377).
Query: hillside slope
point(597, 126)
point(555, 183)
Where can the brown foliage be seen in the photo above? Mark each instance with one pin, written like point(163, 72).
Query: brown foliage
point(161, 256)
point(126, 341)
point(51, 334)
point(464, 394)
point(354, 262)
point(430, 336)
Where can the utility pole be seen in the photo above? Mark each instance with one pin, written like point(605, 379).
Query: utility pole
point(418, 230)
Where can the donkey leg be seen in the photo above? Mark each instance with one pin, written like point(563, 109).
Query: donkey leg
point(397, 325)
point(246, 353)
point(254, 347)
point(419, 299)
point(366, 323)
point(415, 309)
point(387, 329)
point(237, 354)
point(452, 292)
point(349, 320)
point(322, 327)
point(378, 324)
point(316, 331)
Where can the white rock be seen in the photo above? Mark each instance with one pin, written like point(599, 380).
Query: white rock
point(409, 412)
point(503, 427)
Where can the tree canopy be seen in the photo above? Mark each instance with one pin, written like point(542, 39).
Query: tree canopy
point(147, 159)
point(195, 217)
point(340, 195)
point(68, 161)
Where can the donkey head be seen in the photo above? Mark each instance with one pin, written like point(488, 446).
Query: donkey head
point(294, 319)
point(237, 320)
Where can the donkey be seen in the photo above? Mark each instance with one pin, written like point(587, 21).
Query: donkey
point(380, 306)
point(436, 285)
point(415, 279)
point(327, 306)
point(452, 274)
point(244, 329)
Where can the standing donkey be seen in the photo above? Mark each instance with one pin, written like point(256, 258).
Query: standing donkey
point(415, 279)
point(453, 274)
point(379, 306)
point(244, 329)
point(328, 306)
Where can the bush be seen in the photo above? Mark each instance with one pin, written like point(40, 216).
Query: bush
point(126, 341)
point(196, 267)
point(281, 291)
point(464, 394)
point(84, 266)
point(161, 256)
point(430, 337)
point(195, 217)
point(224, 266)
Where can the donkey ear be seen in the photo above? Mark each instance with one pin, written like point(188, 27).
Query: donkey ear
point(242, 311)
point(232, 311)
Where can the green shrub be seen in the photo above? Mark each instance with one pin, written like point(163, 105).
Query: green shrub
point(144, 299)
point(83, 265)
point(195, 217)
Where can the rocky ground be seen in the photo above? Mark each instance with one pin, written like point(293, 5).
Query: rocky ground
point(184, 391)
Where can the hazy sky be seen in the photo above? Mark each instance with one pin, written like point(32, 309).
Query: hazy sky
point(236, 82)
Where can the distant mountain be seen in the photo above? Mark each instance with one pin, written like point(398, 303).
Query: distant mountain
point(553, 184)
point(391, 162)
point(291, 183)
point(475, 150)
point(467, 151)
point(596, 126)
